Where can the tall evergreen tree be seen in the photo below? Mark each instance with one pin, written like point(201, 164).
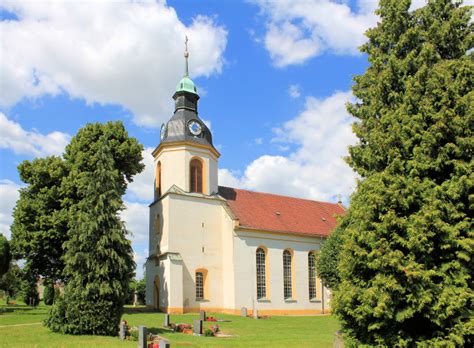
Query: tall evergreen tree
point(41, 215)
point(99, 261)
point(406, 262)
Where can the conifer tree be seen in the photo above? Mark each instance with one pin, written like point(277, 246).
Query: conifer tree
point(98, 259)
point(406, 262)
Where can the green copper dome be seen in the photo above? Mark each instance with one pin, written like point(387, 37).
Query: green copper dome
point(186, 85)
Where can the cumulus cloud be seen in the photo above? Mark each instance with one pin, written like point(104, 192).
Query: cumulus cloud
point(135, 216)
point(15, 138)
point(299, 30)
point(9, 195)
point(316, 169)
point(125, 53)
point(141, 189)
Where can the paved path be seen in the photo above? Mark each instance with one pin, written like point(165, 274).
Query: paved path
point(1, 326)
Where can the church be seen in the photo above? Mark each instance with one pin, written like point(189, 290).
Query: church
point(221, 249)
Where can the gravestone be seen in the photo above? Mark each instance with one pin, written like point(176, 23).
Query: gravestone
point(142, 333)
point(243, 311)
point(167, 320)
point(197, 327)
point(164, 344)
point(255, 313)
point(202, 315)
point(123, 329)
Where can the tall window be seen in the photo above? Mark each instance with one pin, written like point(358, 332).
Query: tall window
point(158, 181)
point(261, 275)
point(312, 275)
point(195, 175)
point(199, 286)
point(287, 276)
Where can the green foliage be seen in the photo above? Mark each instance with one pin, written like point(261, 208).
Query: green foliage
point(5, 255)
point(141, 291)
point(39, 228)
point(208, 333)
point(328, 259)
point(48, 293)
point(406, 260)
point(29, 290)
point(99, 261)
point(41, 215)
point(11, 281)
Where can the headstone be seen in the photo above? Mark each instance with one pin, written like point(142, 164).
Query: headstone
point(167, 320)
point(142, 333)
point(123, 329)
point(135, 299)
point(164, 344)
point(243, 311)
point(202, 315)
point(255, 313)
point(197, 327)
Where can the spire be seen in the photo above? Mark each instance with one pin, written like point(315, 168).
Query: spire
point(186, 55)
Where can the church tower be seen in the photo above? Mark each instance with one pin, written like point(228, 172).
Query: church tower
point(185, 157)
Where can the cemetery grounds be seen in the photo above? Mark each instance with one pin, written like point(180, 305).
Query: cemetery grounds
point(22, 326)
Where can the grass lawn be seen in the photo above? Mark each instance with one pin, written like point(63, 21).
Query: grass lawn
point(272, 332)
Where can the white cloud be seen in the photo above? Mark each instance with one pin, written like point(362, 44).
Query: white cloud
point(9, 195)
point(258, 141)
point(140, 259)
point(228, 178)
point(287, 44)
point(135, 216)
point(316, 169)
point(294, 91)
point(14, 137)
point(299, 30)
point(141, 188)
point(126, 53)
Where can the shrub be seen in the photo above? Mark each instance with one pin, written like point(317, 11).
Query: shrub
point(48, 294)
point(208, 333)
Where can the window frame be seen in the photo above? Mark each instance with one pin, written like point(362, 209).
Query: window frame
point(261, 269)
point(288, 286)
point(204, 290)
point(312, 276)
point(196, 173)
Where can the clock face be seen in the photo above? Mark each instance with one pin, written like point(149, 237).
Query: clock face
point(195, 127)
point(162, 132)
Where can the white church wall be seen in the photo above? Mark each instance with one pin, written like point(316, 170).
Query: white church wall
point(245, 246)
point(196, 235)
point(228, 274)
point(175, 167)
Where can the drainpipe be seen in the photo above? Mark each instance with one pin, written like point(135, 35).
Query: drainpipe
point(322, 295)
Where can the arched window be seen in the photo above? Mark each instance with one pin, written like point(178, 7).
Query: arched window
point(261, 274)
point(199, 286)
point(312, 275)
point(195, 175)
point(287, 276)
point(158, 180)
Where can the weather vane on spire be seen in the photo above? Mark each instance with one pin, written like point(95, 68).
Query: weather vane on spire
point(186, 55)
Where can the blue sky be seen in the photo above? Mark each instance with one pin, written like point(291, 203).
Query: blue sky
point(273, 79)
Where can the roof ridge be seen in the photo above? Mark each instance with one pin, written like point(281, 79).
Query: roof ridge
point(279, 195)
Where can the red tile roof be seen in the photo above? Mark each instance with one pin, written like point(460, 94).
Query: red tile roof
point(269, 212)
